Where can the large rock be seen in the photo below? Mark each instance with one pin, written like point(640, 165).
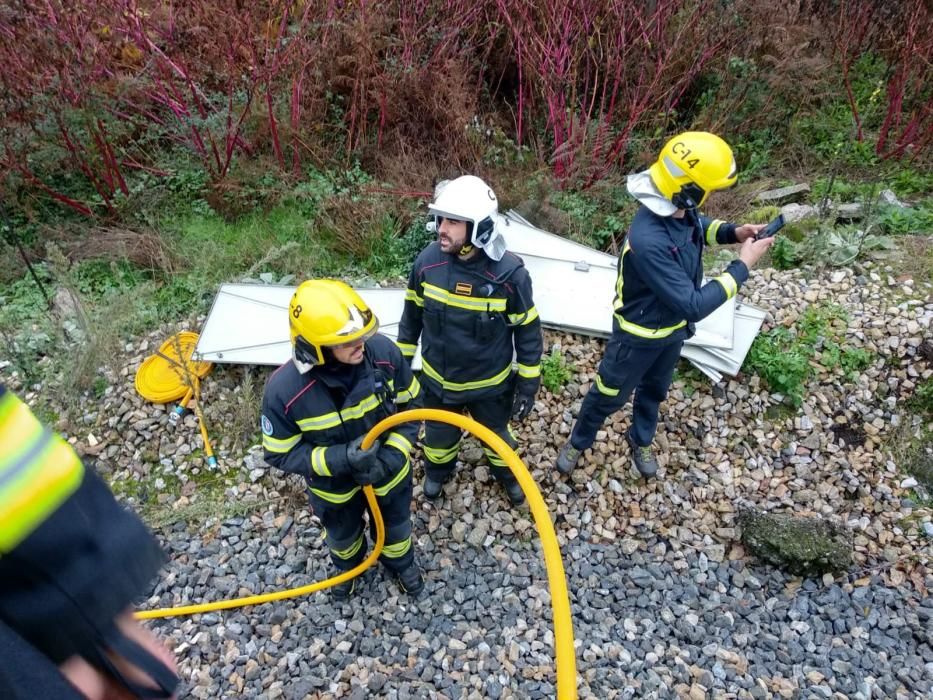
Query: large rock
point(799, 545)
point(797, 212)
point(853, 211)
point(783, 195)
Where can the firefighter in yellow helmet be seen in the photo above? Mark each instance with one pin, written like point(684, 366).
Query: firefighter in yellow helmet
point(344, 378)
point(659, 291)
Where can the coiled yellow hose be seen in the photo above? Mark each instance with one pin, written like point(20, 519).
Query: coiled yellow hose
point(566, 665)
point(171, 375)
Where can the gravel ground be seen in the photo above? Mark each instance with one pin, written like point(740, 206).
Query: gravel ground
point(666, 602)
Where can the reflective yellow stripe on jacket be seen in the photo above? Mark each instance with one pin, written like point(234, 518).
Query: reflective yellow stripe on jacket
point(524, 318)
point(411, 392)
point(628, 326)
point(38, 472)
point(643, 332)
point(712, 230)
point(333, 497)
point(463, 302)
point(466, 386)
point(413, 296)
point(529, 371)
point(333, 419)
point(280, 446)
point(729, 285)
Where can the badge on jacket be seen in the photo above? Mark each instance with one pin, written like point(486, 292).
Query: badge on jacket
point(266, 426)
point(463, 288)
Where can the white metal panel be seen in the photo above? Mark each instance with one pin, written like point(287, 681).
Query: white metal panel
point(572, 299)
point(248, 323)
point(716, 330)
point(573, 286)
point(524, 239)
point(748, 320)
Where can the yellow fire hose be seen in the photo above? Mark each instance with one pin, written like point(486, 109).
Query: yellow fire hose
point(566, 663)
point(171, 375)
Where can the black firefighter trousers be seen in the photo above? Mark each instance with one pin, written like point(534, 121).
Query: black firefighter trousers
point(441, 443)
point(344, 527)
point(626, 366)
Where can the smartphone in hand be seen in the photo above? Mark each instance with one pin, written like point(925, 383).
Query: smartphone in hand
point(772, 228)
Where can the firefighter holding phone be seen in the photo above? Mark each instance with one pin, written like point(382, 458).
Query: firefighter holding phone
point(660, 293)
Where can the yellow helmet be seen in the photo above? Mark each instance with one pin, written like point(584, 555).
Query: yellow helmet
point(690, 166)
point(326, 313)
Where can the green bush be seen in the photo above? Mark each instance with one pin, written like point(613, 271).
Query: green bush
point(555, 371)
point(922, 400)
point(784, 253)
point(902, 220)
point(779, 358)
point(783, 358)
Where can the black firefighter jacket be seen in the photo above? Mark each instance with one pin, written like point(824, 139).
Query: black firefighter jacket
point(71, 558)
point(308, 418)
point(659, 291)
point(472, 317)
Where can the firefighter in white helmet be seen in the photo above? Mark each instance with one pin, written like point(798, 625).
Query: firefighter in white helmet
point(659, 292)
point(343, 379)
point(470, 302)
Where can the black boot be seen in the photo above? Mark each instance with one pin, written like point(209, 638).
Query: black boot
point(514, 492)
point(644, 459)
point(432, 488)
point(343, 591)
point(568, 458)
point(411, 580)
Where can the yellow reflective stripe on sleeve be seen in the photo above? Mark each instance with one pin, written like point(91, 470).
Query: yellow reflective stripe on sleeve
point(603, 389)
point(728, 283)
point(332, 497)
point(396, 480)
point(38, 472)
point(399, 442)
point(413, 296)
point(620, 280)
point(440, 455)
point(712, 230)
point(525, 318)
point(411, 392)
point(332, 420)
point(318, 461)
point(280, 445)
point(643, 332)
point(397, 549)
point(529, 371)
point(408, 349)
point(462, 302)
point(322, 422)
point(466, 386)
point(350, 551)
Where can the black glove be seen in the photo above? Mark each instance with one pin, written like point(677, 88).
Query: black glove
point(525, 391)
point(365, 466)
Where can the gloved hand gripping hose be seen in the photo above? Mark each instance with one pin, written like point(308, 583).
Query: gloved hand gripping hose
point(563, 627)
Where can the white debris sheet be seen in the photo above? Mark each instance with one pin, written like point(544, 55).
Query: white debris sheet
point(573, 287)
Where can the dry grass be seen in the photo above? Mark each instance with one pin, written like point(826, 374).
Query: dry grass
point(914, 257)
point(145, 249)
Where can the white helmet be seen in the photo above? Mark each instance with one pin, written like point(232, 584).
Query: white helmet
point(469, 199)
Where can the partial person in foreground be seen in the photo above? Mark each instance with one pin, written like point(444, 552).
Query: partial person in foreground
point(470, 302)
point(72, 561)
point(343, 378)
point(660, 293)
